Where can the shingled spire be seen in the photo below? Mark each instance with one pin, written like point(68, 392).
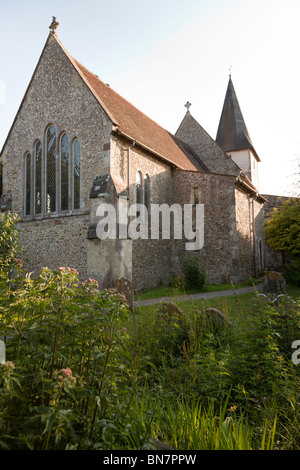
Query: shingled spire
point(232, 132)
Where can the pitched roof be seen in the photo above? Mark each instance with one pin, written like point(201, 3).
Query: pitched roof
point(232, 131)
point(127, 119)
point(134, 124)
point(204, 146)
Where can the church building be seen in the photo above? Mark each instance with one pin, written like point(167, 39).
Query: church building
point(76, 143)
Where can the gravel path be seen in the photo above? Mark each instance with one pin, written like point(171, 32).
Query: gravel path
point(201, 295)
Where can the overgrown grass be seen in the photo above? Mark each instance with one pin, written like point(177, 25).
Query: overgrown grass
point(248, 364)
point(81, 373)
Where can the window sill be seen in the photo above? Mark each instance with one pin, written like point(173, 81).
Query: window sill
point(54, 215)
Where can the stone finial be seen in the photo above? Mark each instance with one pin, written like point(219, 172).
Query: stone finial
point(188, 105)
point(53, 25)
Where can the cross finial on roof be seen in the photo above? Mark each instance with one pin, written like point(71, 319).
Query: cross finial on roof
point(230, 71)
point(53, 25)
point(188, 105)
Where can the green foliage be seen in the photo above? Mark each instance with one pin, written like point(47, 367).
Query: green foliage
point(247, 362)
point(291, 273)
point(283, 227)
point(193, 271)
point(83, 373)
point(9, 241)
point(63, 339)
point(1, 171)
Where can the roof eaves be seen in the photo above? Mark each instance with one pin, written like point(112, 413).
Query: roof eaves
point(247, 185)
point(153, 152)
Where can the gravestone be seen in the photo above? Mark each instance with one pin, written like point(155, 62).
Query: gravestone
point(168, 307)
point(157, 444)
point(124, 286)
point(216, 316)
point(2, 352)
point(273, 284)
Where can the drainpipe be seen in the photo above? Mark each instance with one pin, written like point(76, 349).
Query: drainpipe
point(128, 167)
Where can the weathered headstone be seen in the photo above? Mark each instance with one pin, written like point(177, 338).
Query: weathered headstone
point(169, 308)
point(2, 352)
point(216, 317)
point(157, 444)
point(273, 284)
point(124, 286)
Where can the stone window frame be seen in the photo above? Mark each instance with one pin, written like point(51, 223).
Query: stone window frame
point(140, 173)
point(147, 181)
point(26, 154)
point(34, 171)
point(261, 255)
point(70, 205)
point(72, 168)
point(45, 156)
point(58, 211)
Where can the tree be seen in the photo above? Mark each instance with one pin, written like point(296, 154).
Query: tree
point(283, 228)
point(0, 176)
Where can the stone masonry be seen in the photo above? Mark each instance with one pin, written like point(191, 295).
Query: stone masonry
point(116, 143)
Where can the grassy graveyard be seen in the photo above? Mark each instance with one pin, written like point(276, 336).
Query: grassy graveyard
point(82, 372)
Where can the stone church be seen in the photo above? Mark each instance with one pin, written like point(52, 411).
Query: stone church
point(75, 143)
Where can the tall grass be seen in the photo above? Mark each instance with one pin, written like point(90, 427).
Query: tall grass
point(188, 425)
point(247, 365)
point(83, 374)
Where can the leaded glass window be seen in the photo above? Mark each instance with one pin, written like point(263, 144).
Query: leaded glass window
point(76, 167)
point(147, 191)
point(38, 178)
point(51, 186)
point(51, 169)
point(64, 172)
point(27, 183)
point(138, 188)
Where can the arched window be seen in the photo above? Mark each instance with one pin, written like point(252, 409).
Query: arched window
point(76, 174)
point(64, 172)
point(147, 193)
point(138, 188)
point(260, 255)
point(51, 169)
point(38, 178)
point(52, 186)
point(27, 183)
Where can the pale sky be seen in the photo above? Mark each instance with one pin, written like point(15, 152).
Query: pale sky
point(159, 54)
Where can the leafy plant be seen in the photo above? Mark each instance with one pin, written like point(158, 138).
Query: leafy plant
point(193, 270)
point(63, 338)
point(283, 227)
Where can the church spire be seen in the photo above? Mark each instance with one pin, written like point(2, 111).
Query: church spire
point(232, 132)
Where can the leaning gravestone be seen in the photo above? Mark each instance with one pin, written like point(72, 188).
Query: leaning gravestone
point(168, 307)
point(2, 352)
point(273, 284)
point(216, 317)
point(124, 286)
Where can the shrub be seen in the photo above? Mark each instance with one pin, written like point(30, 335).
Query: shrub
point(194, 273)
point(291, 272)
point(64, 341)
point(9, 240)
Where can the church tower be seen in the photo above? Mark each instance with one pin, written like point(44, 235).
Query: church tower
point(234, 138)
